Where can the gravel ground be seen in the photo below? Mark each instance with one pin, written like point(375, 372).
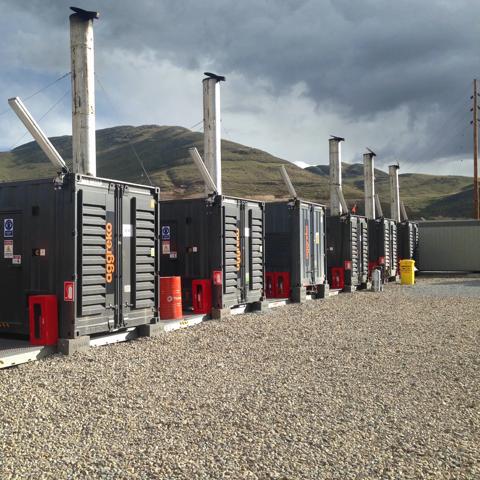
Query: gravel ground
point(364, 386)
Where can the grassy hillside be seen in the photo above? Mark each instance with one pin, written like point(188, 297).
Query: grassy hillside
point(247, 172)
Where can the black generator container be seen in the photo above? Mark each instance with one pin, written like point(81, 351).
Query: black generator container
point(347, 252)
point(216, 245)
point(407, 234)
point(91, 242)
point(295, 243)
point(383, 248)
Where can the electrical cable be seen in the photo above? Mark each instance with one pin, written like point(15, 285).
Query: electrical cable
point(137, 156)
point(42, 117)
point(39, 91)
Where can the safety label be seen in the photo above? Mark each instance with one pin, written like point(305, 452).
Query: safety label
point(8, 227)
point(8, 249)
point(127, 230)
point(166, 248)
point(166, 232)
point(173, 254)
point(17, 260)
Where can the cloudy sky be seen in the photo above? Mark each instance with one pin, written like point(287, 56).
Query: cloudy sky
point(393, 76)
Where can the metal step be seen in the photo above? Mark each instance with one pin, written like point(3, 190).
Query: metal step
point(15, 352)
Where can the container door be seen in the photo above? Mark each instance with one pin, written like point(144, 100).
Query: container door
point(232, 252)
point(97, 251)
point(13, 317)
point(364, 248)
point(356, 245)
point(387, 244)
point(394, 246)
point(138, 240)
point(254, 235)
point(318, 244)
point(306, 242)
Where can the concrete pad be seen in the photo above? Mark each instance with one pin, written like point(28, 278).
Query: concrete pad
point(69, 346)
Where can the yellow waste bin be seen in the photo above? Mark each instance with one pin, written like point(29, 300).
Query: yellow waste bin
point(407, 272)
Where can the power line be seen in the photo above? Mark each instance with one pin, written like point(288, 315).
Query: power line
point(8, 110)
point(137, 156)
point(42, 117)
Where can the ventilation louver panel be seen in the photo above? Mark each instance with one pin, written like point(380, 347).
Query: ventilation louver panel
point(256, 238)
point(231, 252)
point(92, 239)
point(144, 258)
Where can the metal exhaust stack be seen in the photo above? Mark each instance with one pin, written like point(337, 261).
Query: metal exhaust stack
point(369, 183)
point(335, 156)
point(394, 193)
point(212, 128)
point(83, 92)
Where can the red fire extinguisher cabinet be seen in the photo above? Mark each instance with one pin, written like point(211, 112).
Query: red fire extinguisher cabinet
point(43, 315)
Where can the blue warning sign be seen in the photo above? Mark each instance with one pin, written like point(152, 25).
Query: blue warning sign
point(8, 227)
point(166, 232)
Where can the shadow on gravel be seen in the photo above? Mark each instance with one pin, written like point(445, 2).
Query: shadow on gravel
point(448, 287)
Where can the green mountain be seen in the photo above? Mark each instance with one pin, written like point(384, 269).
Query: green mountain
point(247, 172)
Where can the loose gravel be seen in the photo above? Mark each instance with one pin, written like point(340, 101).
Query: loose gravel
point(361, 386)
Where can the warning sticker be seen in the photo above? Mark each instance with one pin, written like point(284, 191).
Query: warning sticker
point(17, 260)
point(166, 248)
point(8, 227)
point(173, 254)
point(8, 249)
point(317, 238)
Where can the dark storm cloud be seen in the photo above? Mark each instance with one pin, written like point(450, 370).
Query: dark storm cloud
point(364, 57)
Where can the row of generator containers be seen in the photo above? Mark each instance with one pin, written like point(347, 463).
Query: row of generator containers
point(100, 246)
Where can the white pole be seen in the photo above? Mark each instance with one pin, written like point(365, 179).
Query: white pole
point(197, 159)
point(369, 184)
point(341, 199)
point(37, 133)
point(378, 205)
point(83, 93)
point(212, 130)
point(335, 157)
point(288, 182)
point(394, 193)
point(404, 212)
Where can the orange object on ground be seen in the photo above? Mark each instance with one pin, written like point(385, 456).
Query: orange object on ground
point(171, 298)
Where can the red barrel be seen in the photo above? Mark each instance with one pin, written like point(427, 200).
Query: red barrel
point(170, 298)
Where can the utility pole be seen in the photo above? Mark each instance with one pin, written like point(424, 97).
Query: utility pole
point(476, 211)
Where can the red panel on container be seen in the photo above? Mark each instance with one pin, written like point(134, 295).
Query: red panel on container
point(202, 296)
point(282, 284)
point(270, 285)
point(171, 298)
point(43, 317)
point(68, 291)
point(338, 278)
point(217, 277)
